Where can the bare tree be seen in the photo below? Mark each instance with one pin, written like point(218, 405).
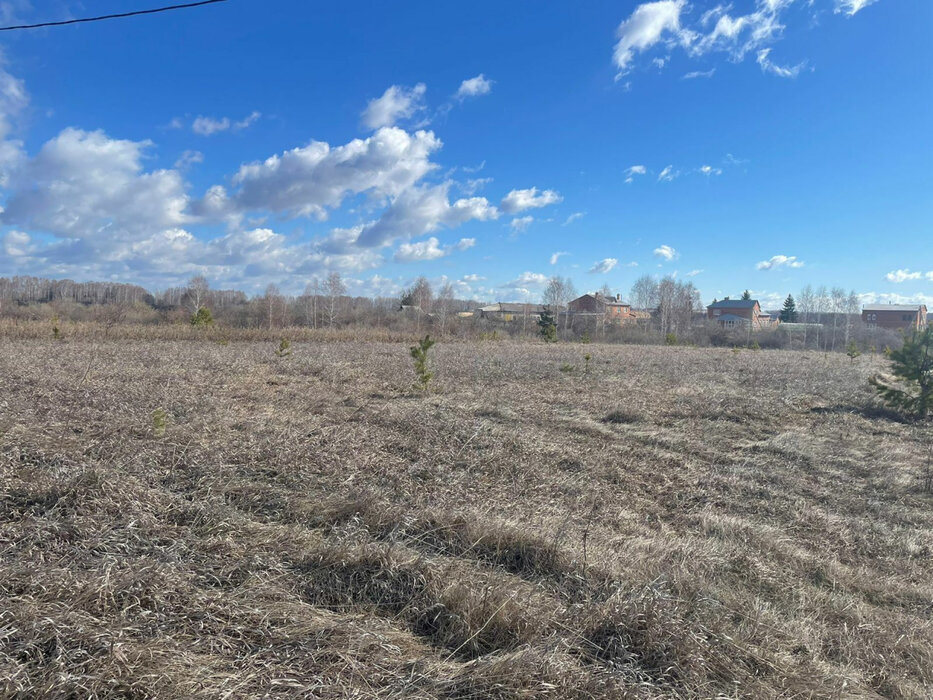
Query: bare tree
point(443, 306)
point(334, 288)
point(196, 293)
point(645, 294)
point(272, 301)
point(837, 305)
point(805, 308)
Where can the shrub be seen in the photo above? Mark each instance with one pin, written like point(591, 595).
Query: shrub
point(670, 339)
point(567, 368)
point(585, 338)
point(419, 354)
point(202, 317)
point(285, 348)
point(912, 365)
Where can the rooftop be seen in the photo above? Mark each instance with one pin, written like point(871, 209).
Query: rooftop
point(893, 307)
point(734, 304)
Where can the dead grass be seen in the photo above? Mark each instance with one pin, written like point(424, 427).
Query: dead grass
point(675, 523)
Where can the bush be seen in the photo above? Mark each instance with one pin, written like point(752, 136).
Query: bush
point(912, 366)
point(670, 339)
point(285, 348)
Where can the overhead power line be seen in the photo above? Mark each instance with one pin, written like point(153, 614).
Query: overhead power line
point(118, 15)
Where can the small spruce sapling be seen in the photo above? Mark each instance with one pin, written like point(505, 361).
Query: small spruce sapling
point(202, 317)
point(852, 350)
point(419, 354)
point(586, 363)
point(912, 366)
point(159, 422)
point(547, 327)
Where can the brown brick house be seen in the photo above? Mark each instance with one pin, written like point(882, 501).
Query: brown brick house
point(612, 309)
point(738, 313)
point(895, 316)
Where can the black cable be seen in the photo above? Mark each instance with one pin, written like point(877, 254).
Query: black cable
point(114, 16)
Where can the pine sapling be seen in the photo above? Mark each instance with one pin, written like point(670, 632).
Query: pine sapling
point(419, 354)
point(911, 388)
point(284, 349)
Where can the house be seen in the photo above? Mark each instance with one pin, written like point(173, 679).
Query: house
point(739, 313)
point(597, 305)
point(507, 312)
point(895, 316)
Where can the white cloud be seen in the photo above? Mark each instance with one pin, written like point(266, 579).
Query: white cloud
point(474, 87)
point(556, 256)
point(17, 244)
point(648, 25)
point(778, 261)
point(666, 252)
point(521, 223)
point(527, 279)
point(899, 276)
point(87, 185)
point(577, 215)
point(781, 71)
point(474, 185)
point(207, 126)
point(421, 210)
point(893, 298)
point(188, 158)
point(850, 7)
point(417, 252)
point(693, 273)
point(634, 170)
point(519, 200)
point(694, 74)
point(710, 170)
point(396, 103)
point(309, 180)
point(604, 266)
point(668, 174)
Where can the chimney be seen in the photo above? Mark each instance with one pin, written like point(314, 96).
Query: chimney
point(618, 297)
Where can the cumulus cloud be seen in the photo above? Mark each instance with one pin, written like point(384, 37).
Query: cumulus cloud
point(527, 279)
point(557, 256)
point(519, 200)
point(649, 24)
point(396, 103)
point(666, 252)
point(423, 250)
point(603, 266)
point(474, 87)
point(778, 261)
point(86, 185)
point(310, 180)
point(898, 276)
point(781, 71)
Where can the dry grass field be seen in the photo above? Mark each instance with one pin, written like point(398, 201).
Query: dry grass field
point(674, 522)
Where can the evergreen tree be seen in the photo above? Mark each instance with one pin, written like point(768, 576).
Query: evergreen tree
point(789, 312)
point(547, 327)
point(913, 366)
point(746, 295)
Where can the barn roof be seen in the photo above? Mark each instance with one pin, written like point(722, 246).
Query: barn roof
point(893, 307)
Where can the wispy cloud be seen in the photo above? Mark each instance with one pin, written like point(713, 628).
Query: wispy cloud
point(520, 200)
point(557, 256)
point(778, 261)
point(521, 223)
point(693, 273)
point(668, 174)
point(780, 71)
point(576, 216)
point(603, 266)
point(634, 170)
point(694, 74)
point(207, 126)
point(850, 7)
point(898, 276)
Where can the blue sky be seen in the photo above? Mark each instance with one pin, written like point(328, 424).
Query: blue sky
point(762, 144)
